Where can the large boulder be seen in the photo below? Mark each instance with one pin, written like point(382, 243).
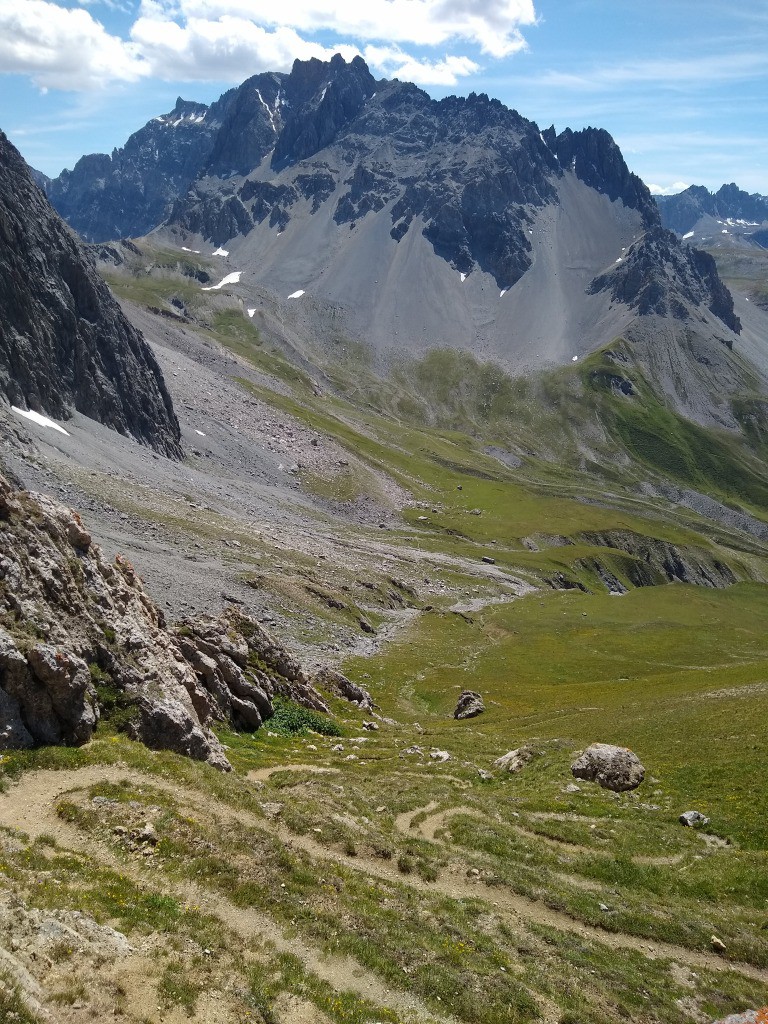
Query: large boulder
point(469, 705)
point(692, 819)
point(337, 684)
point(614, 768)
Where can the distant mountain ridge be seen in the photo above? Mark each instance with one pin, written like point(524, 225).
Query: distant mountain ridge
point(683, 211)
point(64, 341)
point(129, 192)
point(407, 223)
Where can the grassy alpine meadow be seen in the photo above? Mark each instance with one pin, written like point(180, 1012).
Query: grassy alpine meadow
point(677, 673)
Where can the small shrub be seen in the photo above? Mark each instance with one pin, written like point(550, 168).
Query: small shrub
point(98, 675)
point(427, 871)
point(291, 719)
point(175, 988)
point(405, 863)
point(109, 634)
point(119, 709)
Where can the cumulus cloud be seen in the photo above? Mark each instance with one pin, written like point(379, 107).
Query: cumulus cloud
point(392, 62)
point(228, 49)
point(63, 48)
point(227, 40)
point(667, 190)
point(493, 25)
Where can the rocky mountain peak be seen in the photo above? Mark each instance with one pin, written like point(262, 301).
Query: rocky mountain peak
point(64, 341)
point(594, 157)
point(324, 98)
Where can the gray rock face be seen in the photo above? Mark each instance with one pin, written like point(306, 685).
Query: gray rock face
point(470, 705)
point(67, 681)
point(109, 650)
point(658, 275)
point(614, 768)
point(64, 341)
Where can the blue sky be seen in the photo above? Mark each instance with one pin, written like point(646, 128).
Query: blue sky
point(681, 85)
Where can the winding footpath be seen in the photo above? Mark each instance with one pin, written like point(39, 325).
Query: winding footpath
point(30, 805)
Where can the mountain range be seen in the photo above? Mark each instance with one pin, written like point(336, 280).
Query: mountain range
point(405, 224)
point(700, 211)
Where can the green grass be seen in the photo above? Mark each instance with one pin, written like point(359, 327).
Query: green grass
point(631, 670)
point(683, 451)
point(678, 674)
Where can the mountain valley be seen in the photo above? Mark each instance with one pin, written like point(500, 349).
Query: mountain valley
point(442, 404)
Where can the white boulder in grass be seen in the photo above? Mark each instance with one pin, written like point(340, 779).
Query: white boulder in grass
point(515, 760)
point(614, 768)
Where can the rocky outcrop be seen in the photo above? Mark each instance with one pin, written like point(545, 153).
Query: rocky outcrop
point(614, 768)
point(64, 341)
point(658, 561)
point(661, 276)
point(338, 685)
point(107, 651)
point(470, 705)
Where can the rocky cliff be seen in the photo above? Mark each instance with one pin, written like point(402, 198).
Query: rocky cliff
point(80, 639)
point(64, 342)
point(130, 191)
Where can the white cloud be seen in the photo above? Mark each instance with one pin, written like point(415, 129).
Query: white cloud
point(63, 48)
point(392, 62)
point(229, 49)
point(493, 25)
point(228, 40)
point(672, 189)
point(667, 190)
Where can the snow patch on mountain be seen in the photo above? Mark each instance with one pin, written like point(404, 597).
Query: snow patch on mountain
point(229, 279)
point(36, 417)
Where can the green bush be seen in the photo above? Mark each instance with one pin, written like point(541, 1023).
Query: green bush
point(291, 719)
